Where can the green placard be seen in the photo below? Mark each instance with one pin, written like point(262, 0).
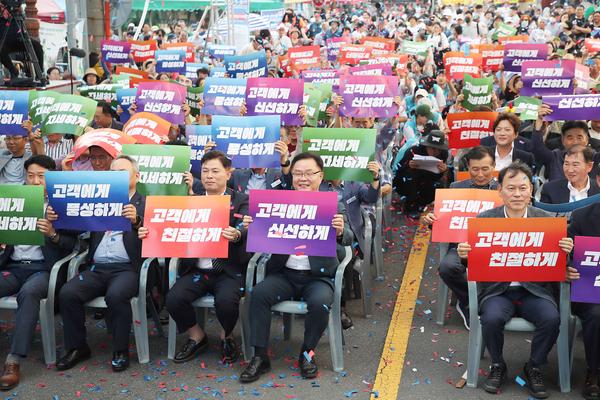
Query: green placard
point(102, 92)
point(193, 97)
point(312, 103)
point(161, 168)
point(326, 92)
point(345, 151)
point(477, 92)
point(415, 48)
point(40, 103)
point(504, 30)
point(70, 114)
point(527, 107)
point(20, 208)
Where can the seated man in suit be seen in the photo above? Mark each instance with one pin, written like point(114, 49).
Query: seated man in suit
point(578, 163)
point(480, 162)
point(245, 179)
point(291, 276)
point(501, 301)
point(506, 130)
point(103, 118)
point(222, 277)
point(113, 264)
point(584, 223)
point(26, 270)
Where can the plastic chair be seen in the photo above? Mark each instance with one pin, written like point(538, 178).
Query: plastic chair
point(377, 240)
point(363, 266)
point(46, 309)
point(442, 299)
point(476, 346)
point(201, 305)
point(138, 306)
point(288, 308)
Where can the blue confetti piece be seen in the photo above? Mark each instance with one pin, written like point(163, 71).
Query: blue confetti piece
point(80, 277)
point(375, 393)
point(520, 381)
point(350, 393)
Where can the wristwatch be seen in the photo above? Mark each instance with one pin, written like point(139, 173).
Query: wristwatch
point(287, 164)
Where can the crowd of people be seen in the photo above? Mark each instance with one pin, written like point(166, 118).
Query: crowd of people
point(532, 163)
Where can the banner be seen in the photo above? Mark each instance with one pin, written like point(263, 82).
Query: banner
point(586, 259)
point(248, 141)
point(147, 128)
point(281, 96)
point(219, 51)
point(455, 207)
point(274, 17)
point(20, 208)
point(197, 137)
point(193, 98)
point(333, 47)
point(69, 114)
point(513, 39)
point(292, 222)
point(187, 48)
point(527, 107)
point(115, 52)
point(547, 78)
point(191, 70)
point(89, 200)
point(582, 75)
point(142, 50)
point(573, 107)
point(252, 65)
point(125, 98)
point(40, 103)
point(345, 151)
point(322, 76)
point(379, 43)
point(415, 48)
point(592, 45)
point(398, 61)
point(170, 61)
point(517, 250)
point(457, 65)
point(110, 140)
point(131, 72)
point(161, 168)
point(351, 54)
point(468, 128)
point(163, 99)
point(477, 92)
point(371, 70)
point(13, 112)
point(516, 53)
point(504, 30)
point(186, 226)
point(224, 96)
point(312, 102)
point(304, 57)
point(369, 96)
point(492, 56)
point(217, 72)
point(102, 92)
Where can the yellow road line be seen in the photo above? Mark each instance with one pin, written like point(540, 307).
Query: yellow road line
point(389, 373)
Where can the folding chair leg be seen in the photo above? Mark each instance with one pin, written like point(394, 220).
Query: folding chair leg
point(564, 358)
point(48, 333)
point(140, 329)
point(287, 325)
point(474, 355)
point(335, 342)
point(244, 329)
point(378, 255)
point(442, 302)
point(172, 340)
point(155, 316)
point(365, 286)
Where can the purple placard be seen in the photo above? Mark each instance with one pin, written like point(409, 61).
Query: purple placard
point(163, 99)
point(333, 47)
point(544, 78)
point(371, 70)
point(573, 107)
point(290, 222)
point(369, 96)
point(115, 52)
point(516, 53)
point(586, 259)
point(275, 96)
point(321, 76)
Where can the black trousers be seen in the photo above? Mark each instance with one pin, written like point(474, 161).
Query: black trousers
point(416, 187)
point(590, 321)
point(452, 271)
point(118, 283)
point(30, 286)
point(288, 285)
point(517, 301)
point(195, 284)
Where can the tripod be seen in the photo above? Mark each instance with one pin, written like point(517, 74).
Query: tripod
point(16, 17)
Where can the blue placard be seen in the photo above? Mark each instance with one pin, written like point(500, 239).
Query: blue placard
point(217, 72)
point(14, 109)
point(170, 61)
point(223, 96)
point(125, 98)
point(197, 137)
point(248, 141)
point(89, 200)
point(252, 65)
point(219, 51)
point(191, 70)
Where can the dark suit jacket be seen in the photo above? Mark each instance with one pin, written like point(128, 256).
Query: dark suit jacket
point(521, 143)
point(557, 192)
point(468, 184)
point(240, 178)
point(236, 264)
point(133, 245)
point(584, 221)
point(52, 251)
point(524, 156)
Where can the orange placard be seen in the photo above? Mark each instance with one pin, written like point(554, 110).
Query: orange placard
point(142, 50)
point(468, 128)
point(136, 73)
point(513, 39)
point(458, 64)
point(187, 47)
point(147, 128)
point(186, 226)
point(134, 81)
point(464, 175)
point(454, 207)
point(517, 250)
point(379, 43)
point(491, 55)
point(304, 57)
point(592, 45)
point(353, 53)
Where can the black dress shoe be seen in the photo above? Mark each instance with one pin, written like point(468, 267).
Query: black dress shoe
point(120, 361)
point(308, 369)
point(495, 378)
point(73, 357)
point(535, 382)
point(229, 351)
point(591, 389)
point(190, 349)
point(255, 369)
point(346, 320)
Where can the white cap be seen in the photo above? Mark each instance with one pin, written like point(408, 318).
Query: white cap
point(421, 92)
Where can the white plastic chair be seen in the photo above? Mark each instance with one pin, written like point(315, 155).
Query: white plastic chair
point(378, 240)
point(46, 310)
point(288, 308)
point(202, 305)
point(363, 266)
point(442, 299)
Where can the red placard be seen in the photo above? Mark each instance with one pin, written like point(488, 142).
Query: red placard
point(186, 226)
point(142, 50)
point(353, 53)
point(491, 55)
point(111, 140)
point(517, 250)
point(454, 207)
point(132, 72)
point(147, 128)
point(468, 128)
point(513, 39)
point(592, 45)
point(304, 57)
point(457, 64)
point(190, 55)
point(379, 43)
point(134, 81)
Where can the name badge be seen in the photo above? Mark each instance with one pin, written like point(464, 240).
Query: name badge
point(276, 183)
point(351, 199)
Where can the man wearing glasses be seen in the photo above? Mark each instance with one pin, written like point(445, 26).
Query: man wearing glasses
point(12, 160)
